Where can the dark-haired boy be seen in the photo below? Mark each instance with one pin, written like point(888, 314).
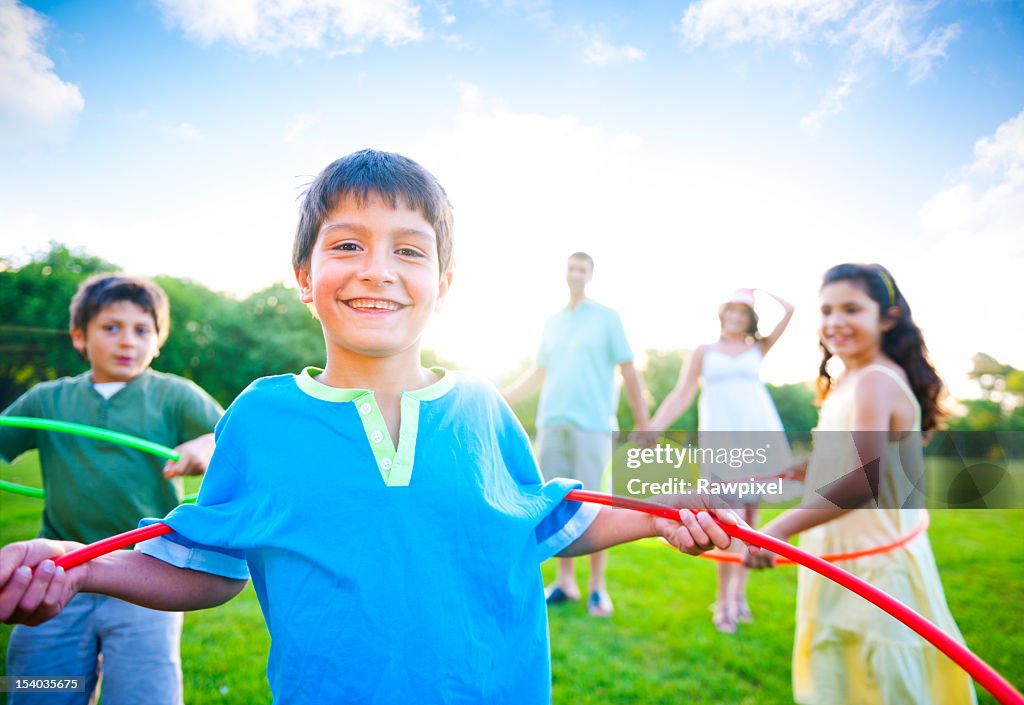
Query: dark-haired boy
point(392, 518)
point(96, 489)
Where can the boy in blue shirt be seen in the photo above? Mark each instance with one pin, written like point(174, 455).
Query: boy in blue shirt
point(392, 518)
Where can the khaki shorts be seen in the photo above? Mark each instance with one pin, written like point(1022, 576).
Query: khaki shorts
point(566, 451)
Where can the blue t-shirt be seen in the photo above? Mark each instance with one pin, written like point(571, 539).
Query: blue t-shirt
point(579, 352)
point(385, 574)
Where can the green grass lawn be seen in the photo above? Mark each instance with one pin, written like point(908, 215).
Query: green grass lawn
point(659, 647)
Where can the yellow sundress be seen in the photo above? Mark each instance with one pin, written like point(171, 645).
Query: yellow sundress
point(847, 651)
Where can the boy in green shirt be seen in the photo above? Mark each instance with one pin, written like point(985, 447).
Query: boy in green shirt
point(96, 489)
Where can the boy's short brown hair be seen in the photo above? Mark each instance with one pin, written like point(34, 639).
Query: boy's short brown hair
point(100, 290)
point(370, 173)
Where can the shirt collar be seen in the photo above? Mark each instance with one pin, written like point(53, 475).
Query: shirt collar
point(323, 392)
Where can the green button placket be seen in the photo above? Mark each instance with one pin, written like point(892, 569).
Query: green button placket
point(389, 459)
point(394, 464)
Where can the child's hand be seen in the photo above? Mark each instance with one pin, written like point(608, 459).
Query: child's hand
point(761, 559)
point(764, 558)
point(195, 456)
point(644, 438)
point(797, 471)
point(696, 533)
point(32, 589)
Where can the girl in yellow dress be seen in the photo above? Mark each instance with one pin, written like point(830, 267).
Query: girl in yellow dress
point(863, 488)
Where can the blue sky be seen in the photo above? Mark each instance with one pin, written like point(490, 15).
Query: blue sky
point(690, 147)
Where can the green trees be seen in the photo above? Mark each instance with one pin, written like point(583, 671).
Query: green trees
point(1001, 407)
point(660, 376)
point(223, 343)
point(219, 342)
point(34, 340)
point(797, 409)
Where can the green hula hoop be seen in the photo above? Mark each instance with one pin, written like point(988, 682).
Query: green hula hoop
point(78, 429)
point(13, 488)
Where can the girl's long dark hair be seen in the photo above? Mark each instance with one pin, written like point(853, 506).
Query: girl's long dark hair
point(903, 343)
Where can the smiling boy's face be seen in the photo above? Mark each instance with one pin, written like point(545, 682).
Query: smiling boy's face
point(373, 279)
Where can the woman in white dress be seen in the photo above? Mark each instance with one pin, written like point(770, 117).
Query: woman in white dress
point(735, 411)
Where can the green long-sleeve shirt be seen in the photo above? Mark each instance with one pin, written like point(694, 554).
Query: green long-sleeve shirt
point(94, 488)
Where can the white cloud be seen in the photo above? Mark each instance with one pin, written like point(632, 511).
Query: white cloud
point(831, 103)
point(770, 21)
point(973, 234)
point(183, 131)
point(446, 16)
point(921, 60)
point(145, 119)
point(857, 29)
point(456, 41)
point(599, 52)
point(988, 197)
point(340, 26)
point(34, 102)
point(893, 30)
point(877, 28)
point(299, 124)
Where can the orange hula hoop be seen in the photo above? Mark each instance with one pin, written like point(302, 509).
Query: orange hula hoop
point(920, 528)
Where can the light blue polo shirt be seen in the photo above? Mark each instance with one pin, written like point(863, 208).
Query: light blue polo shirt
point(579, 352)
point(385, 574)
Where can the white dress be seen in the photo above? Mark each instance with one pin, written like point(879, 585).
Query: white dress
point(736, 412)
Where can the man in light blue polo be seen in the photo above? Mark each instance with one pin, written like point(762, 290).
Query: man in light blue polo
point(582, 345)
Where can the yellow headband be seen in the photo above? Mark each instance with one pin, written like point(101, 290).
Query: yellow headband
point(889, 288)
